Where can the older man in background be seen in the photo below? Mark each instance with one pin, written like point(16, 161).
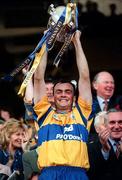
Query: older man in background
point(105, 154)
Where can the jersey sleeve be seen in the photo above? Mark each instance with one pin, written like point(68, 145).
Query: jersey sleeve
point(42, 107)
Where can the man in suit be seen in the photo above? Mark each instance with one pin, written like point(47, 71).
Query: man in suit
point(104, 155)
point(103, 85)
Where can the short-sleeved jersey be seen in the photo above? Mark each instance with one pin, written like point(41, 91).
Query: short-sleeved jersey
point(62, 137)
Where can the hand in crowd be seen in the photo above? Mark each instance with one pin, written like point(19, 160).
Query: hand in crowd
point(104, 135)
point(26, 139)
point(5, 169)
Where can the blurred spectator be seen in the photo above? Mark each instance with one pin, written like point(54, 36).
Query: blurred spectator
point(92, 19)
point(113, 9)
point(119, 103)
point(5, 114)
point(11, 106)
point(30, 164)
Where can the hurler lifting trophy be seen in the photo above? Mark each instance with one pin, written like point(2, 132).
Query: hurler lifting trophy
point(62, 24)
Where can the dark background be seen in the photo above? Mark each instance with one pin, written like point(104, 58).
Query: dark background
point(22, 23)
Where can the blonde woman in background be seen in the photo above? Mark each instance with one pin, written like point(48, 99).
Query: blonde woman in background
point(12, 137)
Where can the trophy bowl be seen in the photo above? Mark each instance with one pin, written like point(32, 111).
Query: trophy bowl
point(55, 15)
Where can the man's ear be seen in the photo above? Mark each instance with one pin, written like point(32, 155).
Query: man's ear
point(94, 85)
point(97, 129)
point(74, 100)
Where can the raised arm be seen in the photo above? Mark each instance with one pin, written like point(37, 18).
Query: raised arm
point(28, 98)
point(39, 83)
point(84, 86)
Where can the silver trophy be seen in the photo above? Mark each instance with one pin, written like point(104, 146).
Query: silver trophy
point(54, 18)
point(62, 24)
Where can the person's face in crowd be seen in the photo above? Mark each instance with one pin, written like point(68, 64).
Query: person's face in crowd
point(104, 85)
point(115, 125)
point(49, 91)
point(5, 115)
point(63, 96)
point(16, 139)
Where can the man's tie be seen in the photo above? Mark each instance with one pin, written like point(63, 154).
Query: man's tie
point(105, 108)
point(117, 144)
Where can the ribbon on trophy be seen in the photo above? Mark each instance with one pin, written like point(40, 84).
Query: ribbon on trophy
point(61, 27)
point(63, 33)
point(64, 27)
point(70, 26)
point(32, 69)
point(47, 45)
point(29, 59)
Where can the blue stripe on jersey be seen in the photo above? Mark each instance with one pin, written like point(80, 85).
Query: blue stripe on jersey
point(81, 114)
point(41, 120)
point(50, 132)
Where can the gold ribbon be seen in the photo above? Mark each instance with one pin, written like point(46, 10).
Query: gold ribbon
point(29, 75)
point(69, 28)
point(69, 12)
point(64, 47)
point(73, 14)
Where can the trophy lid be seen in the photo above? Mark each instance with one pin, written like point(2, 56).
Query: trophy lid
point(56, 12)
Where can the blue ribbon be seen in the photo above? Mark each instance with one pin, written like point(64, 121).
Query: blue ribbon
point(57, 29)
point(29, 58)
point(38, 47)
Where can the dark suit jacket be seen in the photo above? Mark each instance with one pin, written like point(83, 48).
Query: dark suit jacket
point(112, 104)
point(101, 169)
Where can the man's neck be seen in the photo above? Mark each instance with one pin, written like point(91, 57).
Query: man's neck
point(103, 98)
point(60, 111)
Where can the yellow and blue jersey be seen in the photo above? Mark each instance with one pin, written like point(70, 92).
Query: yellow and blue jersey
point(62, 137)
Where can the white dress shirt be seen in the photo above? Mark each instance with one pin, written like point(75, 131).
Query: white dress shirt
point(101, 102)
point(106, 154)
